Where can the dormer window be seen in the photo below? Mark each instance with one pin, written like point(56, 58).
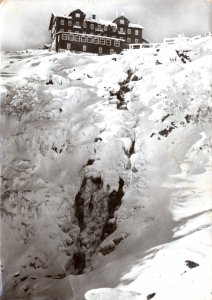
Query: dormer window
point(77, 15)
point(122, 22)
point(136, 32)
point(62, 22)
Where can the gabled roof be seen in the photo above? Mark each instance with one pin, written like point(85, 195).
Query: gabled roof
point(53, 17)
point(121, 18)
point(77, 11)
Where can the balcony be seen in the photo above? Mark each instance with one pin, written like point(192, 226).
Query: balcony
point(99, 29)
point(77, 26)
point(122, 32)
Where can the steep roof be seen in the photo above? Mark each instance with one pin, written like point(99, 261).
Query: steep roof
point(77, 11)
point(121, 18)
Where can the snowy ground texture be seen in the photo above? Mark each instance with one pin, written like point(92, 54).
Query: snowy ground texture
point(106, 175)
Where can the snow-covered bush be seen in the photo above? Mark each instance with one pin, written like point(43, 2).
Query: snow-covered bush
point(188, 97)
point(23, 101)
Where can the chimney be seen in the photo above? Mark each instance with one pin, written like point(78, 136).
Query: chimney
point(94, 17)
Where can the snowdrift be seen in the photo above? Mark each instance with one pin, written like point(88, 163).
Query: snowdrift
point(106, 174)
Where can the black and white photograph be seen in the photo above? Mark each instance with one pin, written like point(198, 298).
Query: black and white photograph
point(106, 149)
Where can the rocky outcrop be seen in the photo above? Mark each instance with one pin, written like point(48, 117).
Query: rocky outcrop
point(94, 216)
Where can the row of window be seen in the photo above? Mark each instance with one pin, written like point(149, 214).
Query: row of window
point(84, 48)
point(88, 39)
point(99, 27)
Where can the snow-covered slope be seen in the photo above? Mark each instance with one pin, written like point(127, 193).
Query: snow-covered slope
point(106, 175)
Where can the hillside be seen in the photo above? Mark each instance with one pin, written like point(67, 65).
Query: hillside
point(106, 175)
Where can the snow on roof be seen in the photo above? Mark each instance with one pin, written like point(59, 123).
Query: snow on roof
point(63, 16)
point(135, 25)
point(101, 21)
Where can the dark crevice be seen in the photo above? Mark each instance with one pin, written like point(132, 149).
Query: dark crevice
point(79, 206)
point(132, 148)
point(114, 202)
point(90, 162)
point(165, 132)
point(120, 94)
point(165, 117)
point(114, 199)
point(94, 215)
point(188, 118)
point(150, 296)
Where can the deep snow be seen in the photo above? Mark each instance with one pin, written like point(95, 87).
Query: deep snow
point(145, 117)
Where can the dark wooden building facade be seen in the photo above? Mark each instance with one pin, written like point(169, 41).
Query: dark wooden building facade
point(75, 32)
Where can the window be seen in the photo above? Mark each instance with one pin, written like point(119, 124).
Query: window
point(111, 51)
point(136, 32)
point(114, 29)
point(102, 41)
point(64, 36)
point(83, 39)
point(128, 40)
point(84, 48)
point(117, 43)
point(84, 32)
point(62, 22)
point(70, 37)
point(90, 39)
point(129, 31)
point(84, 25)
point(62, 30)
point(77, 38)
point(77, 24)
point(105, 28)
point(136, 41)
point(92, 26)
point(69, 30)
point(122, 22)
point(76, 31)
point(121, 30)
point(77, 15)
point(108, 42)
point(68, 46)
point(69, 23)
point(96, 40)
point(121, 37)
point(100, 49)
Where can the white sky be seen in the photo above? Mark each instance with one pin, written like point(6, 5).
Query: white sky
point(24, 23)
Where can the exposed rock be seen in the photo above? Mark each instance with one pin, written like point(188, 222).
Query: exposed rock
point(191, 264)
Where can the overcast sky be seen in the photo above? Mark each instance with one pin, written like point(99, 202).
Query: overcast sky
point(25, 22)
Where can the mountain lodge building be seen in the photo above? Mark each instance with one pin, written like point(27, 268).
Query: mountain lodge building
point(75, 32)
